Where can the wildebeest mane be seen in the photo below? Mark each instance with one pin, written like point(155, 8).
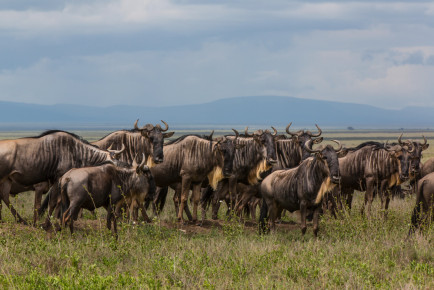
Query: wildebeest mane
point(179, 139)
point(75, 136)
point(376, 145)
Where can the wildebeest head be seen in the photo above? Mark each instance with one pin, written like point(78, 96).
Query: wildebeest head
point(227, 147)
point(415, 153)
point(144, 177)
point(156, 136)
point(266, 139)
point(402, 154)
point(330, 156)
point(301, 137)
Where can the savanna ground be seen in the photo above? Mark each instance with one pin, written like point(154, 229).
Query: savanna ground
point(352, 251)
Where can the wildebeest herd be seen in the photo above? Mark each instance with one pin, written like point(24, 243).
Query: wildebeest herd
point(130, 170)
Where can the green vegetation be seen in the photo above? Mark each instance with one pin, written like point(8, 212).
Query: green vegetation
point(350, 252)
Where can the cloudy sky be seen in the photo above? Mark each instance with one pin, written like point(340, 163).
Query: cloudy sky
point(161, 52)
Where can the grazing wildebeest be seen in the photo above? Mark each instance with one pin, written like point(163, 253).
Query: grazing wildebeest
point(372, 166)
point(190, 160)
point(31, 160)
point(104, 185)
point(300, 188)
point(423, 212)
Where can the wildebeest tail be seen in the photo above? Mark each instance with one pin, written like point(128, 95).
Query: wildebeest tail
point(46, 201)
point(206, 196)
point(152, 187)
point(263, 217)
point(160, 198)
point(64, 199)
point(415, 217)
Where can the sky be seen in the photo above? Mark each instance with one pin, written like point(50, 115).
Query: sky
point(161, 52)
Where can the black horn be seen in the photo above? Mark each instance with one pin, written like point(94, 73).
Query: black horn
point(315, 135)
point(339, 144)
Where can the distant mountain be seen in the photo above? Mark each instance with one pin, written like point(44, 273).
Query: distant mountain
point(259, 110)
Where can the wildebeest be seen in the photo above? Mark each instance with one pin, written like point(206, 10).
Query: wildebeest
point(300, 188)
point(289, 151)
point(427, 167)
point(423, 212)
point(256, 157)
point(148, 140)
point(190, 160)
point(104, 185)
point(372, 166)
point(28, 161)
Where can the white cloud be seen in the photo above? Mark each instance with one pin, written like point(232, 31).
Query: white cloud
point(163, 52)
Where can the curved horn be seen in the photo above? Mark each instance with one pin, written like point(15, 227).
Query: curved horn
point(425, 141)
point(135, 125)
point(236, 133)
point(399, 139)
point(315, 135)
point(339, 144)
point(289, 132)
point(210, 135)
point(275, 131)
point(247, 133)
point(412, 148)
point(117, 152)
point(307, 147)
point(167, 126)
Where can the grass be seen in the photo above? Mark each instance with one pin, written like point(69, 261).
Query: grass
point(350, 252)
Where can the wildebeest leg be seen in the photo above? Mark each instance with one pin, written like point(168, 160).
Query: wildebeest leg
point(232, 187)
point(177, 201)
point(316, 221)
point(144, 214)
point(40, 189)
point(196, 199)
point(215, 208)
point(369, 195)
point(5, 189)
point(134, 211)
point(303, 213)
point(272, 215)
point(185, 190)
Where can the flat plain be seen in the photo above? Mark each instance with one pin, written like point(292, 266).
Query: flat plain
point(352, 251)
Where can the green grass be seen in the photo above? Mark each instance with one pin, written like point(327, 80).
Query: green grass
point(350, 252)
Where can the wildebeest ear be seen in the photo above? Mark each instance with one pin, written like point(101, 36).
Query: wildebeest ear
point(424, 147)
point(395, 153)
point(317, 140)
point(145, 133)
point(342, 153)
point(168, 135)
point(239, 146)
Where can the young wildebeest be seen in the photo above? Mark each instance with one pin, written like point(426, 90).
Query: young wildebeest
point(104, 185)
point(31, 160)
point(424, 201)
point(301, 188)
